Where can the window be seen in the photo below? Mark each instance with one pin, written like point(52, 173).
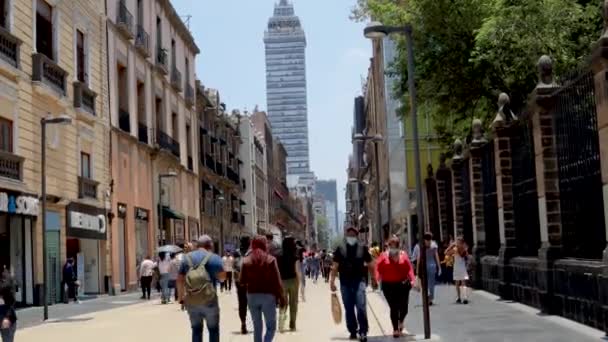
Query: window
point(159, 113)
point(85, 165)
point(6, 135)
point(4, 11)
point(159, 37)
point(44, 28)
point(80, 57)
point(173, 53)
point(187, 71)
point(188, 142)
point(174, 126)
point(140, 13)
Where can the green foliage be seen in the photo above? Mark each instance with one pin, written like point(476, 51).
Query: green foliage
point(323, 231)
point(469, 51)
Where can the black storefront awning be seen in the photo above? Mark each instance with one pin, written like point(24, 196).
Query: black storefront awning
point(172, 214)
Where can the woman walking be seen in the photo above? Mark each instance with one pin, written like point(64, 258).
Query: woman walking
point(396, 274)
point(228, 261)
point(260, 275)
point(241, 290)
point(8, 316)
point(164, 268)
point(432, 264)
point(459, 251)
point(301, 251)
point(289, 267)
point(146, 271)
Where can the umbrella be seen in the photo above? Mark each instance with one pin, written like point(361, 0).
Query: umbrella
point(169, 249)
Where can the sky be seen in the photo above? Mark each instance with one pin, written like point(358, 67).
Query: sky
point(230, 36)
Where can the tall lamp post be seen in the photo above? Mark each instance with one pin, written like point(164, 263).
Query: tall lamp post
point(59, 120)
point(376, 139)
point(220, 200)
point(376, 30)
point(170, 174)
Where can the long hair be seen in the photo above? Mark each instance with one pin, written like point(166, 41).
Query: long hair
point(289, 247)
point(258, 249)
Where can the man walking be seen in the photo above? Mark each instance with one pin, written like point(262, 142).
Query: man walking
point(241, 290)
point(351, 261)
point(146, 270)
point(198, 273)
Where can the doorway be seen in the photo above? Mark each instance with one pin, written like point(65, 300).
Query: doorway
point(122, 268)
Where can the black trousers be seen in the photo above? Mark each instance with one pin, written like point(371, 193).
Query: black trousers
point(397, 295)
point(227, 284)
point(146, 286)
point(241, 292)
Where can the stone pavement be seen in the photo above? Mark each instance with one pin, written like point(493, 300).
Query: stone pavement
point(484, 319)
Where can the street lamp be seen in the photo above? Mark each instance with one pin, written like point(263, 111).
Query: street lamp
point(375, 139)
point(49, 120)
point(170, 174)
point(376, 30)
point(220, 199)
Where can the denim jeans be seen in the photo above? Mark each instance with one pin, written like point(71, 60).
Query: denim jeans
point(165, 294)
point(266, 305)
point(201, 313)
point(354, 298)
point(431, 275)
point(8, 335)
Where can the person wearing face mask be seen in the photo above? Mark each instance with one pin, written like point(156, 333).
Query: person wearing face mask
point(353, 262)
point(396, 274)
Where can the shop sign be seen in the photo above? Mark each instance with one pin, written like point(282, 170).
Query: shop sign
point(141, 214)
point(21, 205)
point(86, 222)
point(96, 223)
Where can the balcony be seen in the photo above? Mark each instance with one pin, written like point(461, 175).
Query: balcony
point(124, 120)
point(161, 61)
point(84, 98)
point(142, 41)
point(142, 132)
point(210, 162)
point(46, 71)
point(124, 20)
point(219, 168)
point(189, 96)
point(11, 166)
point(87, 188)
point(232, 176)
point(190, 163)
point(164, 141)
point(176, 79)
point(9, 47)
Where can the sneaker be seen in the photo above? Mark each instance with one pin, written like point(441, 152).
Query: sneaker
point(396, 334)
point(458, 301)
point(353, 337)
point(466, 301)
point(363, 337)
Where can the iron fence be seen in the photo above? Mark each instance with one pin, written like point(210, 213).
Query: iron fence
point(446, 209)
point(579, 169)
point(490, 199)
point(465, 204)
point(525, 195)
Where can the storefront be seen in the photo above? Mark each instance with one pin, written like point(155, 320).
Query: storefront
point(18, 213)
point(86, 230)
point(142, 223)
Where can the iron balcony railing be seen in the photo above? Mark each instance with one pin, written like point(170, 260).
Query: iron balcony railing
point(233, 176)
point(142, 41)
point(9, 47)
point(87, 188)
point(189, 95)
point(84, 97)
point(161, 60)
point(124, 120)
point(166, 142)
point(219, 168)
point(142, 132)
point(48, 72)
point(176, 79)
point(11, 166)
point(124, 19)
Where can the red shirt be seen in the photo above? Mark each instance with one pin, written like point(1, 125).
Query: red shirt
point(391, 271)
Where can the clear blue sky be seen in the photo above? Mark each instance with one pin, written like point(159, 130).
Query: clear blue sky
point(230, 35)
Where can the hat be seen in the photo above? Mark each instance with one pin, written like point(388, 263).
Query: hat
point(352, 228)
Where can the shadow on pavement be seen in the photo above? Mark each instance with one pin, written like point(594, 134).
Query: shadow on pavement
point(69, 320)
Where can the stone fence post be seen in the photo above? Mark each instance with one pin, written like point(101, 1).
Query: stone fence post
point(477, 205)
point(444, 191)
point(457, 190)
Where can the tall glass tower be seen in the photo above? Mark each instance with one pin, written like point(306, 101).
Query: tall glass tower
point(286, 86)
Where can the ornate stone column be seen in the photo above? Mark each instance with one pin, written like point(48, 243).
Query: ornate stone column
point(477, 206)
point(457, 193)
point(444, 191)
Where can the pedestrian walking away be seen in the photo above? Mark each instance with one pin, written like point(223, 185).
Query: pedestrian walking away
point(289, 267)
point(228, 261)
point(433, 269)
point(70, 281)
point(198, 273)
point(241, 290)
point(396, 276)
point(8, 315)
point(459, 251)
point(146, 271)
point(260, 275)
point(350, 260)
point(164, 269)
point(302, 259)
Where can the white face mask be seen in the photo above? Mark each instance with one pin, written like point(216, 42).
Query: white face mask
point(393, 252)
point(351, 240)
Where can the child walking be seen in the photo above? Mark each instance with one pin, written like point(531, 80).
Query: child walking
point(459, 251)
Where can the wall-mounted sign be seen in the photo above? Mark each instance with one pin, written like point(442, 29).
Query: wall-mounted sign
point(86, 222)
point(141, 214)
point(21, 205)
point(96, 223)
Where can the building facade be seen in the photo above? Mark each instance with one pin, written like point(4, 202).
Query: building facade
point(154, 158)
point(286, 85)
point(329, 190)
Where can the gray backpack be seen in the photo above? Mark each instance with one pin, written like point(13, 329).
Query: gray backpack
point(199, 286)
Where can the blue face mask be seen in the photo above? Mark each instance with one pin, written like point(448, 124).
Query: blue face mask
point(351, 240)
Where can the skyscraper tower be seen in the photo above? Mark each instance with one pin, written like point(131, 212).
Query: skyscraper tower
point(286, 86)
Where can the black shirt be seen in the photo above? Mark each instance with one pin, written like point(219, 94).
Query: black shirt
point(351, 262)
point(7, 293)
point(287, 266)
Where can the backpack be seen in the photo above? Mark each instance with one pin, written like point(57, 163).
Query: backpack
point(199, 287)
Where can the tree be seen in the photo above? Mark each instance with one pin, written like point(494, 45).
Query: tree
point(469, 51)
point(322, 231)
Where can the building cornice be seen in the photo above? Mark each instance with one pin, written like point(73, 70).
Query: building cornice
point(179, 25)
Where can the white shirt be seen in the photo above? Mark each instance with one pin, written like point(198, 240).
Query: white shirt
point(228, 264)
point(146, 268)
point(164, 266)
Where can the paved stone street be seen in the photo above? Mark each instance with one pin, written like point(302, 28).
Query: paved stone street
point(484, 320)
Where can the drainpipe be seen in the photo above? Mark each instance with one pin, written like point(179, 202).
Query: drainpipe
point(111, 290)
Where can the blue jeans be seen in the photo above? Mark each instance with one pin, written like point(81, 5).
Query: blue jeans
point(198, 315)
point(263, 304)
point(165, 294)
point(8, 335)
point(353, 296)
point(431, 275)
